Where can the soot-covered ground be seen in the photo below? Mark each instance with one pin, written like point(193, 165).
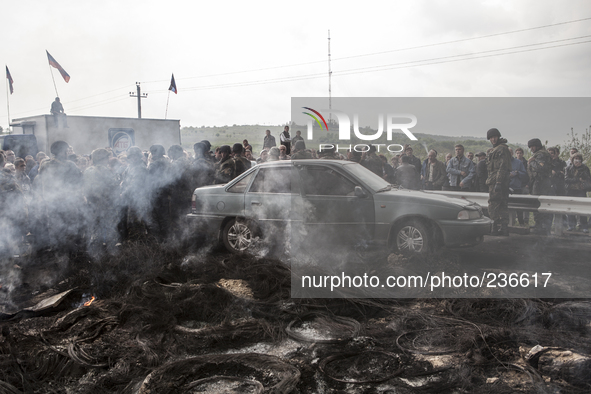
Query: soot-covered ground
point(166, 321)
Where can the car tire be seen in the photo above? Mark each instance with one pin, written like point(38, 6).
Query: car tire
point(411, 237)
point(237, 236)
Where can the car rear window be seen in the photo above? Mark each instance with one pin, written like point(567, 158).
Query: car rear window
point(272, 180)
point(240, 186)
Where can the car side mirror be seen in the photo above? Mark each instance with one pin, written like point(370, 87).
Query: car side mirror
point(359, 192)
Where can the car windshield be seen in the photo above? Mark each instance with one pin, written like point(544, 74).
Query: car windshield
point(372, 180)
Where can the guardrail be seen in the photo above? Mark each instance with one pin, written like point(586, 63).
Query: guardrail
point(558, 205)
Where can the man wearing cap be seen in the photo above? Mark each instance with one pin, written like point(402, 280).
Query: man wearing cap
point(226, 167)
point(498, 166)
point(415, 161)
point(518, 180)
point(539, 169)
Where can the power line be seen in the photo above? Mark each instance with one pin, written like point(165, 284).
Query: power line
point(464, 39)
point(470, 58)
point(430, 61)
point(98, 104)
point(383, 52)
point(473, 53)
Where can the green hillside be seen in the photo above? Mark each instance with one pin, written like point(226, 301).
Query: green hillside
point(228, 135)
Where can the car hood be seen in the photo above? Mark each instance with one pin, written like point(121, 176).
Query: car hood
point(422, 197)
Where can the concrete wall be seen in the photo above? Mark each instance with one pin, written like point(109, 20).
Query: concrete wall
point(86, 133)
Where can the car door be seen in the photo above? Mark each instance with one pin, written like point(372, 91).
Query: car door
point(268, 200)
point(332, 210)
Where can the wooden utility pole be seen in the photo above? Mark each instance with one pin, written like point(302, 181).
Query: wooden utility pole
point(139, 96)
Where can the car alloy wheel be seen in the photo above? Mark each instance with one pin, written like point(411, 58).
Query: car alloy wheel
point(237, 236)
point(412, 238)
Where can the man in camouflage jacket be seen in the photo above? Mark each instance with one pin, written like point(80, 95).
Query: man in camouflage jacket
point(498, 166)
point(225, 169)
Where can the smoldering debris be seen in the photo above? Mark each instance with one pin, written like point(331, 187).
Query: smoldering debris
point(361, 367)
point(317, 327)
point(164, 321)
point(270, 372)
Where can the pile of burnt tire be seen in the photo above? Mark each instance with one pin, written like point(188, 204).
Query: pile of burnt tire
point(156, 321)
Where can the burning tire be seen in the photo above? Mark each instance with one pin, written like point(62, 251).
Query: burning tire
point(411, 237)
point(237, 236)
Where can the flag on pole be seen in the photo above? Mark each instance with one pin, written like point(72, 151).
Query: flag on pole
point(172, 85)
point(9, 80)
point(55, 64)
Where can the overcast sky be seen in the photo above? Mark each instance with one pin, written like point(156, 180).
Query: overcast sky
point(241, 62)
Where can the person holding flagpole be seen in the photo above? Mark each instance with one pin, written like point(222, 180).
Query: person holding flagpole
point(57, 110)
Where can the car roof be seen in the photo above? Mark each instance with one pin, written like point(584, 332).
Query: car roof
point(302, 161)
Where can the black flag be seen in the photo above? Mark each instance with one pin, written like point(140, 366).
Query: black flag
point(172, 85)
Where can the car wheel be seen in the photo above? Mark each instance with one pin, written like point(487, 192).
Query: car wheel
point(412, 237)
point(237, 236)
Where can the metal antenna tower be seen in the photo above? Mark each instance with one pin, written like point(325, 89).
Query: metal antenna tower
point(329, 80)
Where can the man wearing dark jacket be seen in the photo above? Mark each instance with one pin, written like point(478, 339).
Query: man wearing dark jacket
point(433, 172)
point(269, 140)
point(558, 168)
point(481, 173)
point(413, 160)
point(539, 169)
point(241, 163)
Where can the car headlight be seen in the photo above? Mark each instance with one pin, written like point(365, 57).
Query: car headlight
point(468, 214)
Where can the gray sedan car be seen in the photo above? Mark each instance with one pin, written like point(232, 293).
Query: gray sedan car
point(332, 201)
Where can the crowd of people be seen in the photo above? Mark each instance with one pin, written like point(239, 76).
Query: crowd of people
point(101, 199)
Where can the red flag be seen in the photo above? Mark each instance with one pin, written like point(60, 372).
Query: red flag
point(9, 80)
point(172, 85)
point(55, 64)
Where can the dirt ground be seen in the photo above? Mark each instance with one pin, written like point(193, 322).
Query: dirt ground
point(170, 321)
